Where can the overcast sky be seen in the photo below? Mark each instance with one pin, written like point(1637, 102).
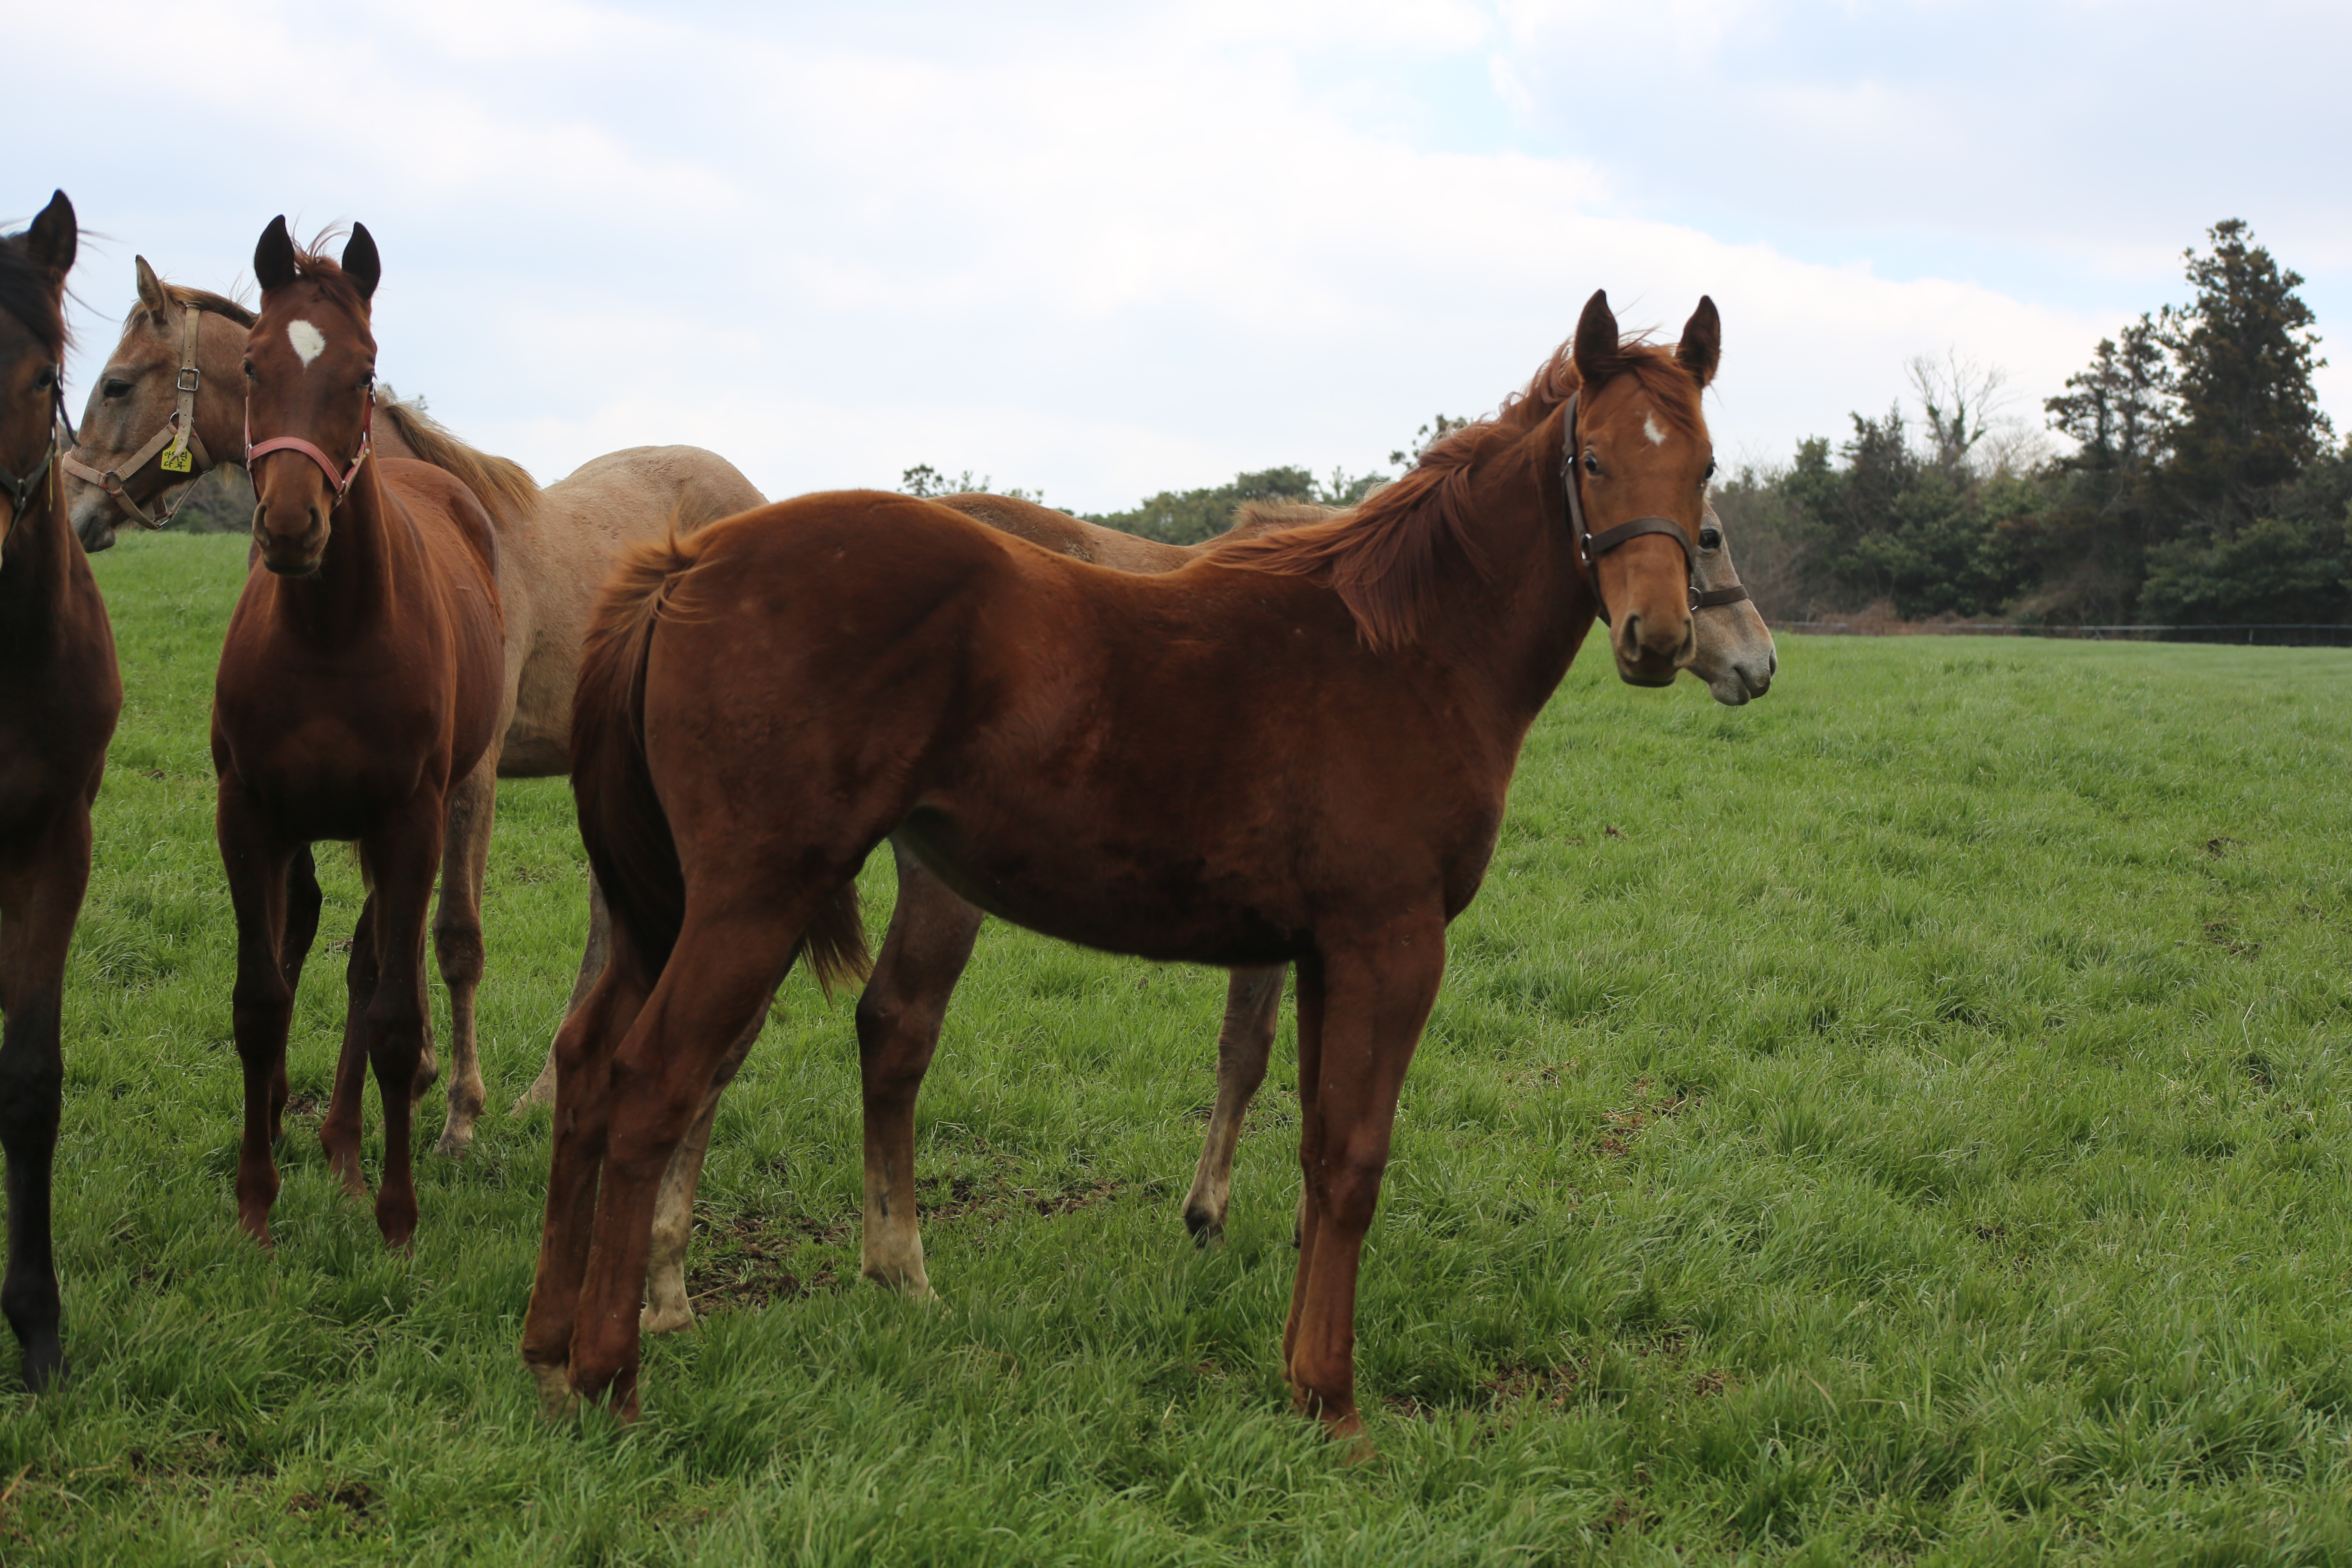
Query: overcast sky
point(1102, 250)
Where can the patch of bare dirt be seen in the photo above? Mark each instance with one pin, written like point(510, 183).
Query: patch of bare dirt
point(1622, 1127)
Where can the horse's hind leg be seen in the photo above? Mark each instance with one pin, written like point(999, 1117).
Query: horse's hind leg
point(1253, 1006)
point(592, 965)
point(302, 904)
point(729, 957)
point(899, 1018)
point(668, 1309)
point(457, 942)
point(262, 1006)
point(37, 906)
point(583, 1054)
point(404, 852)
point(339, 1131)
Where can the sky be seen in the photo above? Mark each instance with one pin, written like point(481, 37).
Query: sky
point(1098, 251)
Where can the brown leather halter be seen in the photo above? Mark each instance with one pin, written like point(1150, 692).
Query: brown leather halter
point(178, 433)
point(1590, 546)
point(255, 452)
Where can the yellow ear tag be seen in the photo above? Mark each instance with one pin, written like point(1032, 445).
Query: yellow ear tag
point(176, 461)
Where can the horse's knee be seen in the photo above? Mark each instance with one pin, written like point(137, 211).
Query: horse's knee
point(458, 949)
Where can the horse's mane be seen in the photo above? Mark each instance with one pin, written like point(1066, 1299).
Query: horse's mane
point(311, 261)
point(1382, 556)
point(502, 485)
point(30, 294)
point(205, 299)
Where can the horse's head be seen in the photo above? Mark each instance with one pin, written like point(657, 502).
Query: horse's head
point(33, 267)
point(309, 391)
point(126, 459)
point(1637, 472)
point(1735, 656)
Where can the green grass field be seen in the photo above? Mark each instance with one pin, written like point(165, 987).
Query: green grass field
point(1892, 1122)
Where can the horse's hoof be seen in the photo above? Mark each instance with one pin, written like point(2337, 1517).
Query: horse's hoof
point(558, 1401)
point(44, 1367)
point(1205, 1224)
point(665, 1319)
point(453, 1145)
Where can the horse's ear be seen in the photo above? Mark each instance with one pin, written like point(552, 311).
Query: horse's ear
point(1596, 340)
point(55, 237)
point(361, 263)
point(1702, 343)
point(273, 258)
point(152, 296)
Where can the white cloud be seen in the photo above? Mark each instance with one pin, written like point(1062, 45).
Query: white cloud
point(1095, 251)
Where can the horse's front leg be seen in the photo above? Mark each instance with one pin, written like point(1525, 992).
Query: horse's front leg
point(1374, 997)
point(898, 1019)
point(1252, 1006)
point(262, 1004)
point(38, 901)
point(457, 941)
point(339, 1130)
point(404, 852)
point(303, 902)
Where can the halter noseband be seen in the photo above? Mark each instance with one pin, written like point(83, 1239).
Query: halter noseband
point(186, 453)
point(341, 482)
point(1590, 546)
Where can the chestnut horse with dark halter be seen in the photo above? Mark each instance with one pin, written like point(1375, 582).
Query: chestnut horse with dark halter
point(359, 698)
point(1295, 749)
point(59, 696)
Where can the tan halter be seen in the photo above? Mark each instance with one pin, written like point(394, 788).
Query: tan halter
point(182, 452)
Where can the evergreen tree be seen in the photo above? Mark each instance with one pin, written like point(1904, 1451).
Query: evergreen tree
point(2244, 352)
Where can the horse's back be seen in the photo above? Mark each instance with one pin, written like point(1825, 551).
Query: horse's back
point(641, 492)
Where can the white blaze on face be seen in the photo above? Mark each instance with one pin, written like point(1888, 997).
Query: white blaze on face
point(1650, 425)
point(310, 342)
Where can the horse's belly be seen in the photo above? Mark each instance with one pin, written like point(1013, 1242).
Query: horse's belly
point(1083, 888)
point(325, 780)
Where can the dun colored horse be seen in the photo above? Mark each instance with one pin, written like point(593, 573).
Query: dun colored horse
point(1294, 750)
point(361, 696)
point(932, 930)
point(175, 371)
point(60, 695)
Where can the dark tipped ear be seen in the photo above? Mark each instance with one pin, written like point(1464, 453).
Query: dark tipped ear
point(151, 294)
point(1596, 339)
point(273, 258)
point(55, 237)
point(361, 263)
point(1702, 342)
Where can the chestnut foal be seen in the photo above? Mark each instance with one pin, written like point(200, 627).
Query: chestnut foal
point(932, 930)
point(361, 694)
point(1294, 750)
point(60, 695)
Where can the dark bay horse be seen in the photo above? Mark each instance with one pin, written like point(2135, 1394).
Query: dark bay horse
point(175, 369)
point(1294, 750)
point(932, 930)
point(361, 696)
point(59, 696)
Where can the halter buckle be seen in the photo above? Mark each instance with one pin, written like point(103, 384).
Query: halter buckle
point(190, 378)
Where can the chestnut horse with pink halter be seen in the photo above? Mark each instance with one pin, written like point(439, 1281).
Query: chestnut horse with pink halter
point(1294, 750)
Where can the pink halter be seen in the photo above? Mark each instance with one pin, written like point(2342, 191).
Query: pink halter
point(326, 464)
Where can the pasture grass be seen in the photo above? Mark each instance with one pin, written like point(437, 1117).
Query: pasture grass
point(1896, 1121)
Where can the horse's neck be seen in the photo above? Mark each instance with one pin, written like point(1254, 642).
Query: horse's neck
point(371, 547)
point(1517, 624)
point(35, 574)
point(220, 389)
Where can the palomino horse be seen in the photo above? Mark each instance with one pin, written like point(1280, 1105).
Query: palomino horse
point(1294, 750)
point(932, 930)
point(175, 369)
point(60, 695)
point(360, 697)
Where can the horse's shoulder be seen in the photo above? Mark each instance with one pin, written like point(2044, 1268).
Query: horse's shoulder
point(443, 507)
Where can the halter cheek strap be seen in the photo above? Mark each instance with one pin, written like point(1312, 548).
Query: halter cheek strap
point(255, 450)
point(179, 433)
point(1590, 546)
point(20, 491)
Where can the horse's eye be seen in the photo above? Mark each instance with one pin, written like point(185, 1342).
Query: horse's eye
point(1710, 471)
point(1710, 539)
point(1592, 464)
point(46, 379)
point(116, 387)
point(248, 370)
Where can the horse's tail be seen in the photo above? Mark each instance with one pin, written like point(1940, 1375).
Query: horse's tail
point(620, 818)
